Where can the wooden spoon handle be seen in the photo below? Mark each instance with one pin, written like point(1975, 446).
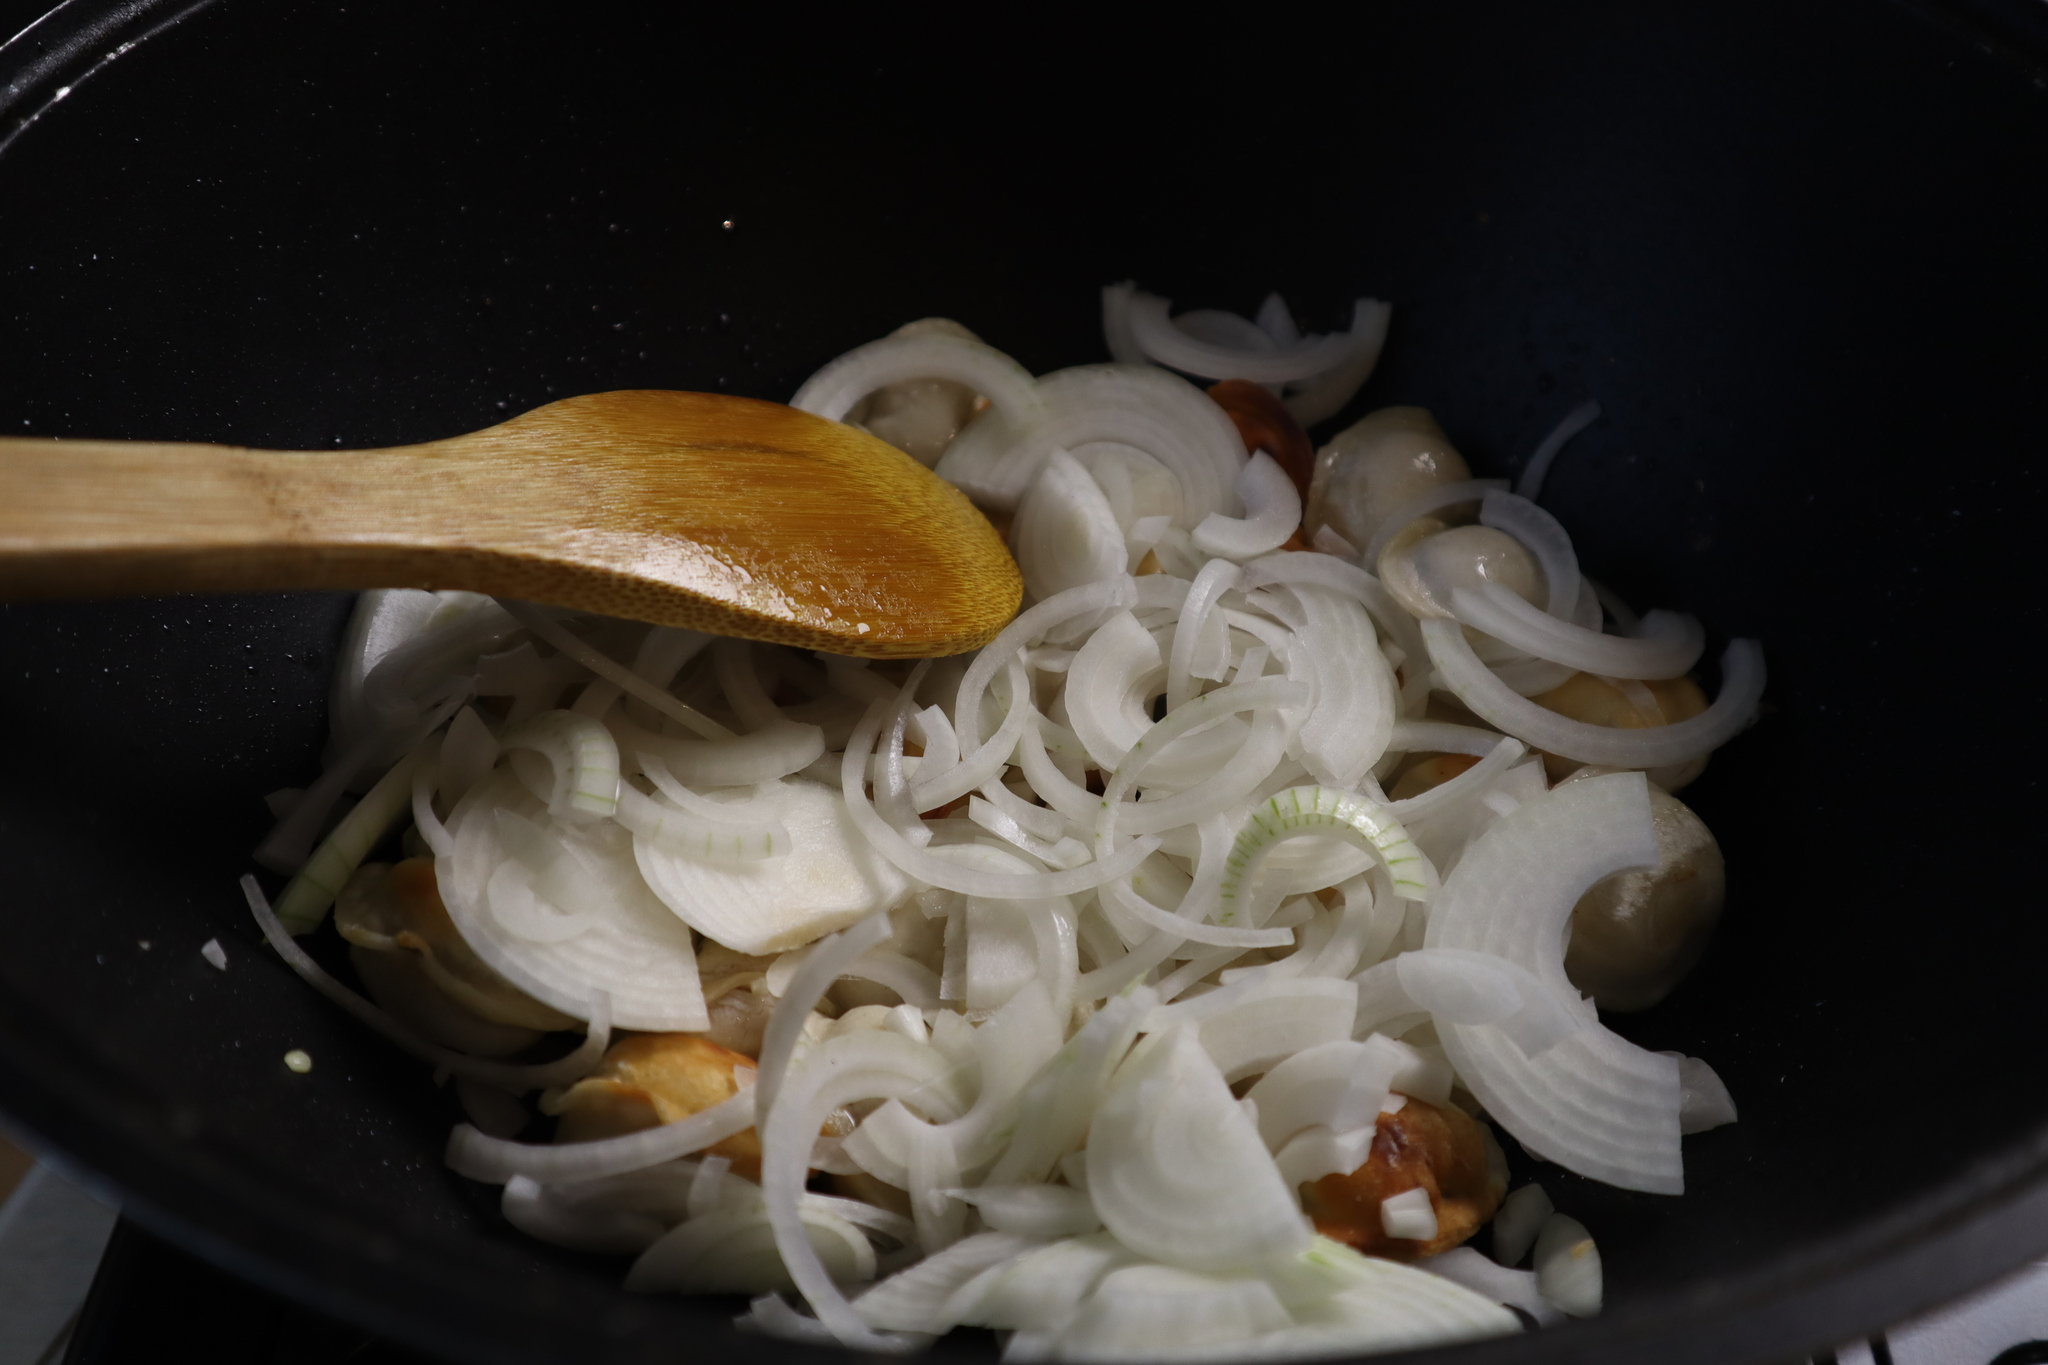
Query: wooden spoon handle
point(96, 518)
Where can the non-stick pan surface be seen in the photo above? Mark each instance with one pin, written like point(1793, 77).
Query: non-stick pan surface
point(1795, 250)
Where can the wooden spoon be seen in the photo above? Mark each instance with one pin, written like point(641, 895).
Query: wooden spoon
point(684, 509)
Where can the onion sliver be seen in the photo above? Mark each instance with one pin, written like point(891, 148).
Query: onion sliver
point(1667, 647)
point(740, 761)
point(1272, 514)
point(1421, 505)
point(1530, 484)
point(1153, 330)
point(1177, 1170)
point(1305, 810)
point(1594, 1103)
point(1544, 538)
point(1065, 534)
point(632, 946)
point(910, 1300)
point(1501, 754)
point(1059, 1103)
point(834, 390)
point(1192, 633)
point(496, 1160)
point(936, 871)
point(1325, 395)
point(1139, 406)
point(1347, 730)
point(1106, 686)
point(1742, 686)
point(1029, 625)
point(625, 679)
point(870, 1064)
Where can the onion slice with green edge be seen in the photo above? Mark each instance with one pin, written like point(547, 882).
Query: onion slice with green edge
point(583, 757)
point(1177, 1170)
point(773, 751)
point(1742, 687)
point(305, 900)
point(1594, 1103)
point(1667, 646)
point(504, 1075)
point(1318, 810)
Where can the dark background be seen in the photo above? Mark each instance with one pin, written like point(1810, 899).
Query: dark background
point(1794, 249)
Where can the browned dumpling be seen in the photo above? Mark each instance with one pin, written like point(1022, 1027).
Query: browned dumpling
point(1422, 1146)
point(655, 1078)
point(388, 908)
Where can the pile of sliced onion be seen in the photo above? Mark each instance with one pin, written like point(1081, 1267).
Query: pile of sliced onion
point(1130, 858)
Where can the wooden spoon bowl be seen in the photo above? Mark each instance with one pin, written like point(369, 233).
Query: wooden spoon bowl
point(720, 514)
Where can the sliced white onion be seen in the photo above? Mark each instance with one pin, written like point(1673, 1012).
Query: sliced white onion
point(1461, 987)
point(910, 1300)
point(631, 947)
point(1029, 625)
point(734, 1251)
point(1742, 686)
point(1347, 730)
point(768, 753)
point(1059, 1104)
point(1161, 341)
point(547, 628)
point(505, 1076)
point(834, 390)
point(1160, 1312)
point(1178, 1171)
point(1668, 646)
point(1272, 514)
point(1033, 1210)
point(1704, 1101)
point(606, 1231)
point(1316, 1152)
point(1337, 1085)
point(1544, 538)
point(1039, 1291)
point(1253, 1025)
point(1517, 1222)
point(692, 836)
point(1325, 395)
point(1138, 406)
point(496, 1160)
point(1594, 1103)
point(869, 1064)
point(1568, 1266)
point(1514, 1288)
point(1530, 485)
point(1198, 633)
point(1106, 688)
point(1065, 534)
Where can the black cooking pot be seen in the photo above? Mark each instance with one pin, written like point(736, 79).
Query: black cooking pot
point(1798, 251)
